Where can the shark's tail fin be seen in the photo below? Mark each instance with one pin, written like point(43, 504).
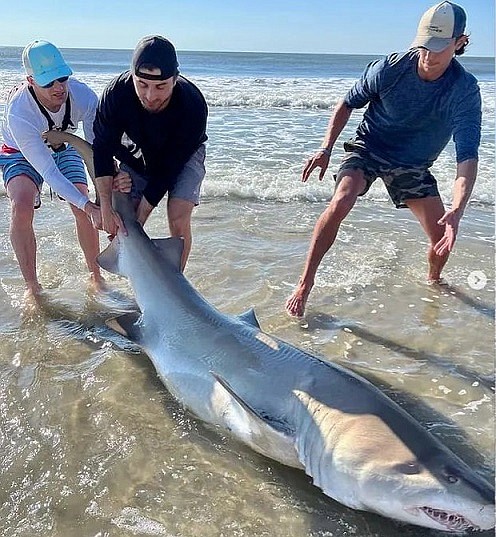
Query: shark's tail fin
point(124, 205)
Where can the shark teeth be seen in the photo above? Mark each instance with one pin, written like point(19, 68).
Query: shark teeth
point(451, 521)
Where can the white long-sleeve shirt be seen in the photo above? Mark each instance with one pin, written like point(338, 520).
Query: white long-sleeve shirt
point(24, 122)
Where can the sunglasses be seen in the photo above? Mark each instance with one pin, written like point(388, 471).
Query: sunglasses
point(62, 79)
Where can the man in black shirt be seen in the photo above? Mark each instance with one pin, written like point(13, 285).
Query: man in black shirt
point(153, 121)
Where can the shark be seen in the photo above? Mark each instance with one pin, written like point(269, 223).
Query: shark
point(359, 447)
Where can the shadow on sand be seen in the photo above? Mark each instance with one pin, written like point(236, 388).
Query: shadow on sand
point(322, 320)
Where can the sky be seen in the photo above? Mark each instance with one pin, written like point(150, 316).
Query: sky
point(308, 26)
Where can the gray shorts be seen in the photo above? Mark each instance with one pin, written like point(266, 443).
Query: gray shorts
point(187, 185)
point(402, 183)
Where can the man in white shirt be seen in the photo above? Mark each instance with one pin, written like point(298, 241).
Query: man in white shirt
point(49, 99)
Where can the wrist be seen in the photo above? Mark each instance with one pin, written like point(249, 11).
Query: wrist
point(325, 150)
point(104, 187)
point(458, 211)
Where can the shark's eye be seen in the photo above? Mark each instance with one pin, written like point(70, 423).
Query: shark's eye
point(409, 468)
point(452, 478)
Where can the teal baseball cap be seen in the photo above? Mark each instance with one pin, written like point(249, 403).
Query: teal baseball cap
point(44, 62)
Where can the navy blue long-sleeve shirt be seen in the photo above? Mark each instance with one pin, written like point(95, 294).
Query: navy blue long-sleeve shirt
point(409, 121)
point(156, 145)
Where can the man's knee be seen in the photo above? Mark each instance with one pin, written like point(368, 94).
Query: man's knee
point(179, 214)
point(22, 209)
point(428, 211)
point(351, 184)
point(22, 192)
point(180, 225)
point(342, 202)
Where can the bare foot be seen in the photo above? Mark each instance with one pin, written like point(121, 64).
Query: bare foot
point(437, 281)
point(295, 304)
point(33, 299)
point(98, 283)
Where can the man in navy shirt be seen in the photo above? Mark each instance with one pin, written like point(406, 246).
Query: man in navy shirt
point(416, 101)
point(153, 121)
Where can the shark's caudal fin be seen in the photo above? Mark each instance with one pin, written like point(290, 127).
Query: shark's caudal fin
point(124, 205)
point(171, 249)
point(249, 317)
point(127, 325)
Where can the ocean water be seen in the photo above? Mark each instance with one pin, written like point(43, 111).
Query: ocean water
point(91, 444)
point(268, 112)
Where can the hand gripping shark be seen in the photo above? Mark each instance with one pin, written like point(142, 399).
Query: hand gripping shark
point(359, 447)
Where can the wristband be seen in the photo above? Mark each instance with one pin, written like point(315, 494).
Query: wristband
point(325, 150)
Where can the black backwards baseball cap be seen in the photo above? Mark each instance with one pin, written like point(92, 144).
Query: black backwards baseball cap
point(155, 52)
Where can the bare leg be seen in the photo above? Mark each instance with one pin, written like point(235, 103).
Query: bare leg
point(22, 192)
point(179, 213)
point(88, 239)
point(428, 211)
point(324, 235)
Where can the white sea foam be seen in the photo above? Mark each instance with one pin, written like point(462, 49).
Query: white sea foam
point(262, 129)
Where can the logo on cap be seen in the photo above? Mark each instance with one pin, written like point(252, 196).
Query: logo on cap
point(439, 25)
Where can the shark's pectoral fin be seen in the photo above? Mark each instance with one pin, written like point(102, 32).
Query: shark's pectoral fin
point(249, 317)
point(127, 325)
point(266, 436)
point(109, 258)
point(172, 249)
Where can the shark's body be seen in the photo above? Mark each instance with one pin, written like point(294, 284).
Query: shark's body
point(359, 446)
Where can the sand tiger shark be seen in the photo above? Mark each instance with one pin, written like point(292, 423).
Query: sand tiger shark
point(359, 446)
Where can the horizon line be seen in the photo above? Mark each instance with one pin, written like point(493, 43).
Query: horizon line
point(252, 52)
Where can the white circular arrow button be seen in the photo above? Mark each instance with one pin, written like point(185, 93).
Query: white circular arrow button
point(477, 280)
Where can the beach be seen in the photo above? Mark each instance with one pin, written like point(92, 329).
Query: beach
point(92, 443)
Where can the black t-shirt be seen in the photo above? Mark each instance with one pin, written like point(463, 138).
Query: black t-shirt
point(156, 145)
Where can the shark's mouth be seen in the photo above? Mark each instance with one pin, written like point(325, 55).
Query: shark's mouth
point(450, 521)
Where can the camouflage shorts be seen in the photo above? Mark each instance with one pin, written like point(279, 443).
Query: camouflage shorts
point(402, 183)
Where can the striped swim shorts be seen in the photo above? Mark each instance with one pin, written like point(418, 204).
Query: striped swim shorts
point(68, 162)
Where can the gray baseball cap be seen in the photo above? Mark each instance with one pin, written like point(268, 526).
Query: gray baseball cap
point(439, 25)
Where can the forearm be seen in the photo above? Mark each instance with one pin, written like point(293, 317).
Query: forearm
point(104, 189)
point(466, 173)
point(338, 121)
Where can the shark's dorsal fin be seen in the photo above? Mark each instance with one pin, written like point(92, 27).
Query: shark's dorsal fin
point(109, 258)
point(127, 325)
point(249, 317)
point(263, 435)
point(171, 248)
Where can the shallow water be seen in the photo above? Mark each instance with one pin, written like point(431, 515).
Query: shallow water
point(93, 445)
